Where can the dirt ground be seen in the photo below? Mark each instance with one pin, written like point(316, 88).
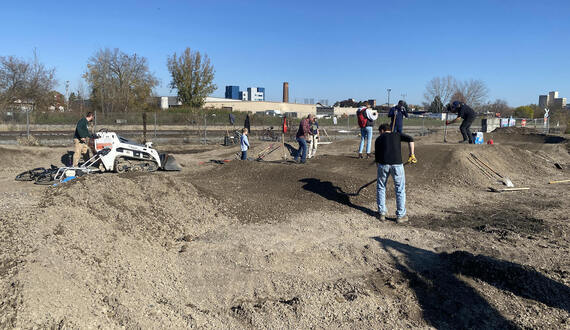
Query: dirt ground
point(275, 244)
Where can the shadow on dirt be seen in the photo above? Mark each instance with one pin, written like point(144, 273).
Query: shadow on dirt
point(502, 221)
point(449, 302)
point(292, 150)
point(520, 280)
point(334, 193)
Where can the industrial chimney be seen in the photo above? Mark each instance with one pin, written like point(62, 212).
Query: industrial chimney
point(285, 92)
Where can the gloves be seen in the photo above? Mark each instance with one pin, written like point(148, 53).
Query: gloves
point(412, 159)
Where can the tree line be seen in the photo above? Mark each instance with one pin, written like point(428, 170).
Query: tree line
point(440, 91)
point(117, 81)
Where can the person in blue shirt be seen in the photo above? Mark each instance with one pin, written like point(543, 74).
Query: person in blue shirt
point(397, 114)
point(244, 144)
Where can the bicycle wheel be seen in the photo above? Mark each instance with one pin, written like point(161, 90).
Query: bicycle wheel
point(45, 179)
point(31, 174)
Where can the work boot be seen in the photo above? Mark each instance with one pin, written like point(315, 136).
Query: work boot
point(360, 156)
point(464, 141)
point(381, 216)
point(402, 219)
point(367, 156)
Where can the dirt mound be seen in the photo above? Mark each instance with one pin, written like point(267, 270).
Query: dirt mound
point(522, 135)
point(18, 159)
point(153, 206)
point(245, 244)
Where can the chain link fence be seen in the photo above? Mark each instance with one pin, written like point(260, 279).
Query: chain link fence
point(211, 125)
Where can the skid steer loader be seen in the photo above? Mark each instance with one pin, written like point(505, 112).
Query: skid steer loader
point(125, 155)
point(113, 153)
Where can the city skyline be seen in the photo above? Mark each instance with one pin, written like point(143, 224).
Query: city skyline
point(325, 50)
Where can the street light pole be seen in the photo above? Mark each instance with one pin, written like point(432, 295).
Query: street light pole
point(389, 90)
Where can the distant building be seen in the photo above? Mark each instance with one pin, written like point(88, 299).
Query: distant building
point(559, 102)
point(166, 102)
point(543, 101)
point(252, 93)
point(552, 95)
point(262, 91)
point(551, 100)
point(232, 92)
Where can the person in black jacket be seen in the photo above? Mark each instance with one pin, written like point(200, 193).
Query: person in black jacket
point(80, 138)
point(467, 114)
point(389, 160)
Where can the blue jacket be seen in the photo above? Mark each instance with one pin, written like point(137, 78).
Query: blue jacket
point(398, 115)
point(244, 143)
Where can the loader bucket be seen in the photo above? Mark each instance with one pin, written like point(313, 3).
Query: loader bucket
point(169, 163)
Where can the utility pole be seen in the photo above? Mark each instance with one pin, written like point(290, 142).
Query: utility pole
point(67, 95)
point(389, 90)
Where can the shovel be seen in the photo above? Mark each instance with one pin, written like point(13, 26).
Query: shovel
point(506, 181)
point(499, 190)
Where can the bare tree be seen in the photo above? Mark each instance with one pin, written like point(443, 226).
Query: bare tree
point(193, 76)
point(499, 106)
point(26, 81)
point(442, 87)
point(118, 81)
point(474, 92)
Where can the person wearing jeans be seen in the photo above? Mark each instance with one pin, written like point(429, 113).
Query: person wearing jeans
point(366, 122)
point(303, 133)
point(365, 133)
point(244, 143)
point(389, 161)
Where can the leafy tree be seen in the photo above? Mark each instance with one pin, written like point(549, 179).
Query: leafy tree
point(25, 81)
point(436, 105)
point(192, 76)
point(119, 81)
point(524, 111)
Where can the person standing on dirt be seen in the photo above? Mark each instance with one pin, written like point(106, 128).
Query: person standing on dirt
point(81, 138)
point(366, 124)
point(304, 133)
point(389, 160)
point(468, 115)
point(397, 113)
point(314, 140)
point(244, 142)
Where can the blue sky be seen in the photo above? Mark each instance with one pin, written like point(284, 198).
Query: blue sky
point(324, 49)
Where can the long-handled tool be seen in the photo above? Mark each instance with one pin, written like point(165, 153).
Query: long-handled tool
point(506, 189)
point(506, 181)
point(479, 166)
point(559, 181)
point(445, 129)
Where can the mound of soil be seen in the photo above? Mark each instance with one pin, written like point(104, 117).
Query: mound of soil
point(245, 244)
point(522, 135)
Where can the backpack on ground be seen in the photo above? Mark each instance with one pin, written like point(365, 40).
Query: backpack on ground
point(362, 120)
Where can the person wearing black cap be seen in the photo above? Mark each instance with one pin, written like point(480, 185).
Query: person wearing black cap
point(467, 114)
point(397, 114)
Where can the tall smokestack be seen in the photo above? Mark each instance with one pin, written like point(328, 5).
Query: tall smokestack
point(285, 92)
